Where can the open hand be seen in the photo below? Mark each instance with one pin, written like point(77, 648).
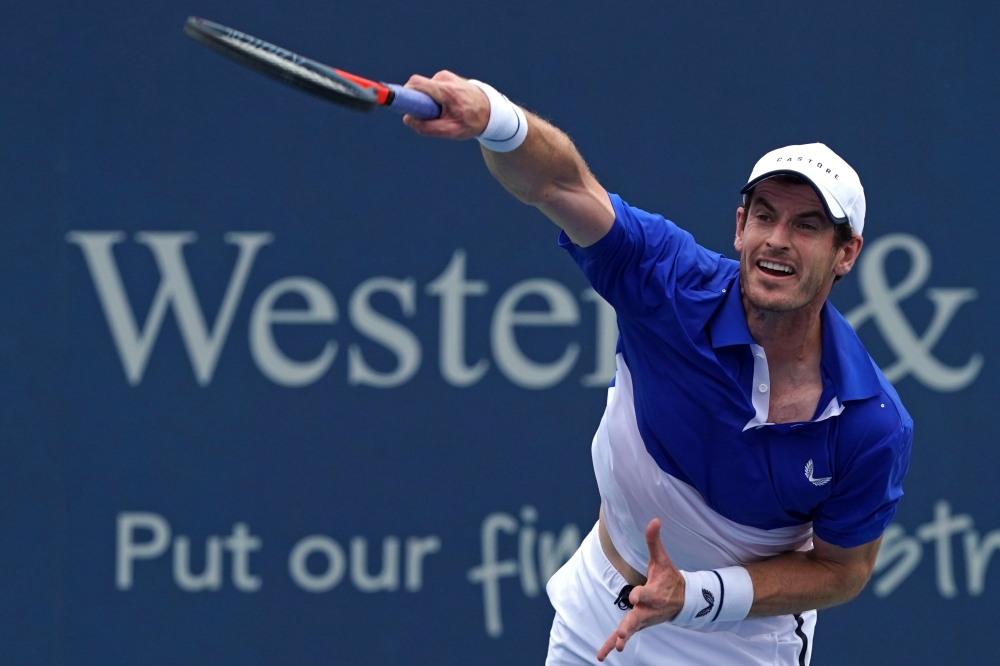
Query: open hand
point(465, 109)
point(659, 600)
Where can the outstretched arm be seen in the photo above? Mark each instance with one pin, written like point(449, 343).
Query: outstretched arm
point(546, 171)
point(788, 583)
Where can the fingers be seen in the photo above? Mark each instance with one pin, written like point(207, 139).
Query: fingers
point(657, 553)
point(435, 87)
point(420, 126)
point(414, 123)
point(449, 129)
point(633, 621)
point(445, 75)
point(425, 85)
point(653, 531)
point(638, 595)
point(609, 645)
point(653, 602)
point(465, 109)
point(616, 641)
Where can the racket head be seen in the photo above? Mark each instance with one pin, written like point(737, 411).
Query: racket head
point(282, 65)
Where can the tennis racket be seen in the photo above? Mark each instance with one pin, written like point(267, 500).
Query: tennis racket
point(333, 85)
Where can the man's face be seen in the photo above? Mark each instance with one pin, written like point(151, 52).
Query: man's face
point(786, 246)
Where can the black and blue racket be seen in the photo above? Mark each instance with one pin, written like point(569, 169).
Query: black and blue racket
point(333, 85)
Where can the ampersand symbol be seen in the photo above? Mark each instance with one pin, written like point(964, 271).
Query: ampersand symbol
point(882, 305)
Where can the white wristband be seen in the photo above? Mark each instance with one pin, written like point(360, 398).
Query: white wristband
point(717, 595)
point(508, 125)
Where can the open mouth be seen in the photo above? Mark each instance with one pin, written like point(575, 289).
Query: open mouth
point(774, 269)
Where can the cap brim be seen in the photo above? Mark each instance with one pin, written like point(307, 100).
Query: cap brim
point(832, 208)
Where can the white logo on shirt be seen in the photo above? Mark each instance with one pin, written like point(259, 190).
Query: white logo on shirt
point(809, 475)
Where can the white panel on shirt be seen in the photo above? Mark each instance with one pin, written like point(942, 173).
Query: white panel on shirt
point(634, 490)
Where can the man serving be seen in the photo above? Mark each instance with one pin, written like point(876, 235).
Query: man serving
point(751, 453)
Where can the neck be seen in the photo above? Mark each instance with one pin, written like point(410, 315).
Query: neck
point(789, 338)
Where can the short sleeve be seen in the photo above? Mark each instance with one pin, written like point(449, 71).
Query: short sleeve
point(866, 493)
point(642, 260)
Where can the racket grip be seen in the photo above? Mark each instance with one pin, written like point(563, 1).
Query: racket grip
point(413, 102)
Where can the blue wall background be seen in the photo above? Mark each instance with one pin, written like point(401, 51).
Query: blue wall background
point(112, 120)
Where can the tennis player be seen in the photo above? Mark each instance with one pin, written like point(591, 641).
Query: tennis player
point(751, 454)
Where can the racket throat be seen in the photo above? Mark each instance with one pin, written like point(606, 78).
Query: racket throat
point(383, 94)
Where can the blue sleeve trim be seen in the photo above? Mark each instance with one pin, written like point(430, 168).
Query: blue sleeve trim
point(854, 539)
point(868, 493)
point(608, 241)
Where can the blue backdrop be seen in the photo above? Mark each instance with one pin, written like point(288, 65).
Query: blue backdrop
point(268, 388)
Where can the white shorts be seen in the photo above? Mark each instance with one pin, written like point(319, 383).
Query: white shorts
point(583, 593)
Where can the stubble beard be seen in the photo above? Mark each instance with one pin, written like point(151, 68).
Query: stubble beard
point(805, 292)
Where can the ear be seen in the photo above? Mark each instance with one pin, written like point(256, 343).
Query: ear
point(847, 255)
point(740, 223)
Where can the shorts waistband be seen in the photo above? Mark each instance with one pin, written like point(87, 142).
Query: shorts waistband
point(597, 563)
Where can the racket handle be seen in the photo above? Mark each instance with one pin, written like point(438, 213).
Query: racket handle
point(413, 102)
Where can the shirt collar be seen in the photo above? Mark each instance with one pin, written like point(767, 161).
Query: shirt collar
point(845, 359)
point(729, 325)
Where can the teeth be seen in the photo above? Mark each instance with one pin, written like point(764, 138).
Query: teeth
point(774, 267)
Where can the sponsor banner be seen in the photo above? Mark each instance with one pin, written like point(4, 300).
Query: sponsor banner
point(280, 383)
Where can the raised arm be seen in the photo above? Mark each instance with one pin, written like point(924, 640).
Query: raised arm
point(546, 171)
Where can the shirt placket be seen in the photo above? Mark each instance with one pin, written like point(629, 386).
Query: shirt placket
point(760, 396)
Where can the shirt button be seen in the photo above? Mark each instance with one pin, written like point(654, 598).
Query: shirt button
point(762, 388)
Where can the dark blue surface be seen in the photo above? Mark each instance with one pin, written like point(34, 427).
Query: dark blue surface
point(112, 120)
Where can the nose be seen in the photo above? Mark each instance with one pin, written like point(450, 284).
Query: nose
point(779, 238)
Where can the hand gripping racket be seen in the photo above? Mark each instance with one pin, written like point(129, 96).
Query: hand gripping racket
point(315, 78)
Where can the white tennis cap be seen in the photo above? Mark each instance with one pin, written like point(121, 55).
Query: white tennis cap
point(836, 183)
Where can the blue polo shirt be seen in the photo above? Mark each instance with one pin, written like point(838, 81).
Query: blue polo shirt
point(698, 381)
